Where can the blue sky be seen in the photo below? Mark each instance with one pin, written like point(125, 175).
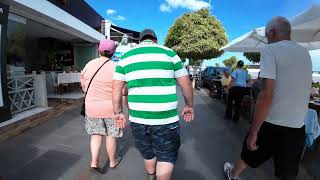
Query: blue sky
point(237, 17)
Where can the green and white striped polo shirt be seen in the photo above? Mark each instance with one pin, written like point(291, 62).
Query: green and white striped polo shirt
point(150, 71)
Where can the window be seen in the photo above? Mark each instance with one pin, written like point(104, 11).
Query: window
point(212, 71)
point(16, 44)
point(1, 99)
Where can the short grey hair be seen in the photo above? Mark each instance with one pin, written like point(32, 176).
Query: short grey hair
point(280, 24)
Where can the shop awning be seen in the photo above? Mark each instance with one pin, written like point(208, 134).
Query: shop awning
point(48, 14)
point(255, 40)
point(305, 31)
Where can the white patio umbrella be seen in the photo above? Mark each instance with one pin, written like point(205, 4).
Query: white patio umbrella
point(308, 19)
point(305, 31)
point(306, 25)
point(252, 41)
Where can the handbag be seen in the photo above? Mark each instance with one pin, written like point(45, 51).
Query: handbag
point(83, 108)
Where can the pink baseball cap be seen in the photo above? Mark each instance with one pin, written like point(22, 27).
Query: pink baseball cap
point(107, 45)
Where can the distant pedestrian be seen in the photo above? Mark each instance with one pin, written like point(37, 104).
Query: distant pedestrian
point(225, 79)
point(225, 82)
point(151, 71)
point(277, 130)
point(237, 90)
point(98, 103)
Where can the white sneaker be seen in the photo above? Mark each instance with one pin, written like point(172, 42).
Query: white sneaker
point(227, 168)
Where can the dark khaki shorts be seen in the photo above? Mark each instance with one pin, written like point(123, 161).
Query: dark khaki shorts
point(160, 141)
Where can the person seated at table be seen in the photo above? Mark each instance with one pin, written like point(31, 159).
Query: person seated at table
point(237, 89)
point(74, 69)
point(257, 86)
point(226, 79)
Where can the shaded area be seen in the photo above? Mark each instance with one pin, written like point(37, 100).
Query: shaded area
point(59, 149)
point(50, 166)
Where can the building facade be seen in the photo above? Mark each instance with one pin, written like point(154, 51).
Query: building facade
point(40, 38)
point(4, 104)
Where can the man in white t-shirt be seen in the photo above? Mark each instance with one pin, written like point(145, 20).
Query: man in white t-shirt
point(277, 130)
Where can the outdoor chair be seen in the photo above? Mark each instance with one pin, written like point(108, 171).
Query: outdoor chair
point(248, 104)
point(198, 81)
point(216, 90)
point(55, 82)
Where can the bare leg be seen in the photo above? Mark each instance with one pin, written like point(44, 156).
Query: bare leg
point(111, 146)
point(150, 165)
point(239, 167)
point(95, 145)
point(164, 170)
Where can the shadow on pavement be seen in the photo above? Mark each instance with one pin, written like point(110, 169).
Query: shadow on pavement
point(217, 140)
point(13, 158)
point(50, 165)
point(124, 145)
point(181, 172)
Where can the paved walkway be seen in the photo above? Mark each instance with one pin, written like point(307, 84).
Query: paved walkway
point(59, 149)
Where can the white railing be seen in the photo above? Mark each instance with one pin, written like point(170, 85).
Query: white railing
point(21, 90)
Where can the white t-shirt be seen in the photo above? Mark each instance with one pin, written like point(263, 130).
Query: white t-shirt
point(289, 64)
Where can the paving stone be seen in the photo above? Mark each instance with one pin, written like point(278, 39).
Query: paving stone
point(59, 149)
point(49, 166)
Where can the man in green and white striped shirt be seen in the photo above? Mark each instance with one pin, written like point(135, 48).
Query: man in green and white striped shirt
point(151, 72)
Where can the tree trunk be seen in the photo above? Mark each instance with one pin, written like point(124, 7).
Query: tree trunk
point(195, 70)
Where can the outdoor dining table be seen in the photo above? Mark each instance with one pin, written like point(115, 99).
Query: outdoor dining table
point(68, 78)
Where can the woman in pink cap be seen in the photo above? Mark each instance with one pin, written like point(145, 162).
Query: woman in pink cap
point(98, 104)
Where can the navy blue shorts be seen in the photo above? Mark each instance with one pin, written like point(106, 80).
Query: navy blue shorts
point(160, 141)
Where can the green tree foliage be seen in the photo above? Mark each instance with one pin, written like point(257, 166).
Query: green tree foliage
point(197, 36)
point(231, 62)
point(252, 56)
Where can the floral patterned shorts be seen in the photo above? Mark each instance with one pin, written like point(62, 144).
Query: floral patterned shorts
point(102, 126)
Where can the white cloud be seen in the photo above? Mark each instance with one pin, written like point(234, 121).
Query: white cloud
point(114, 15)
point(165, 8)
point(111, 11)
point(120, 18)
point(187, 4)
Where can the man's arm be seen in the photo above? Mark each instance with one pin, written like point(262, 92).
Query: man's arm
point(117, 93)
point(187, 91)
point(262, 107)
point(233, 79)
point(125, 90)
point(231, 83)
